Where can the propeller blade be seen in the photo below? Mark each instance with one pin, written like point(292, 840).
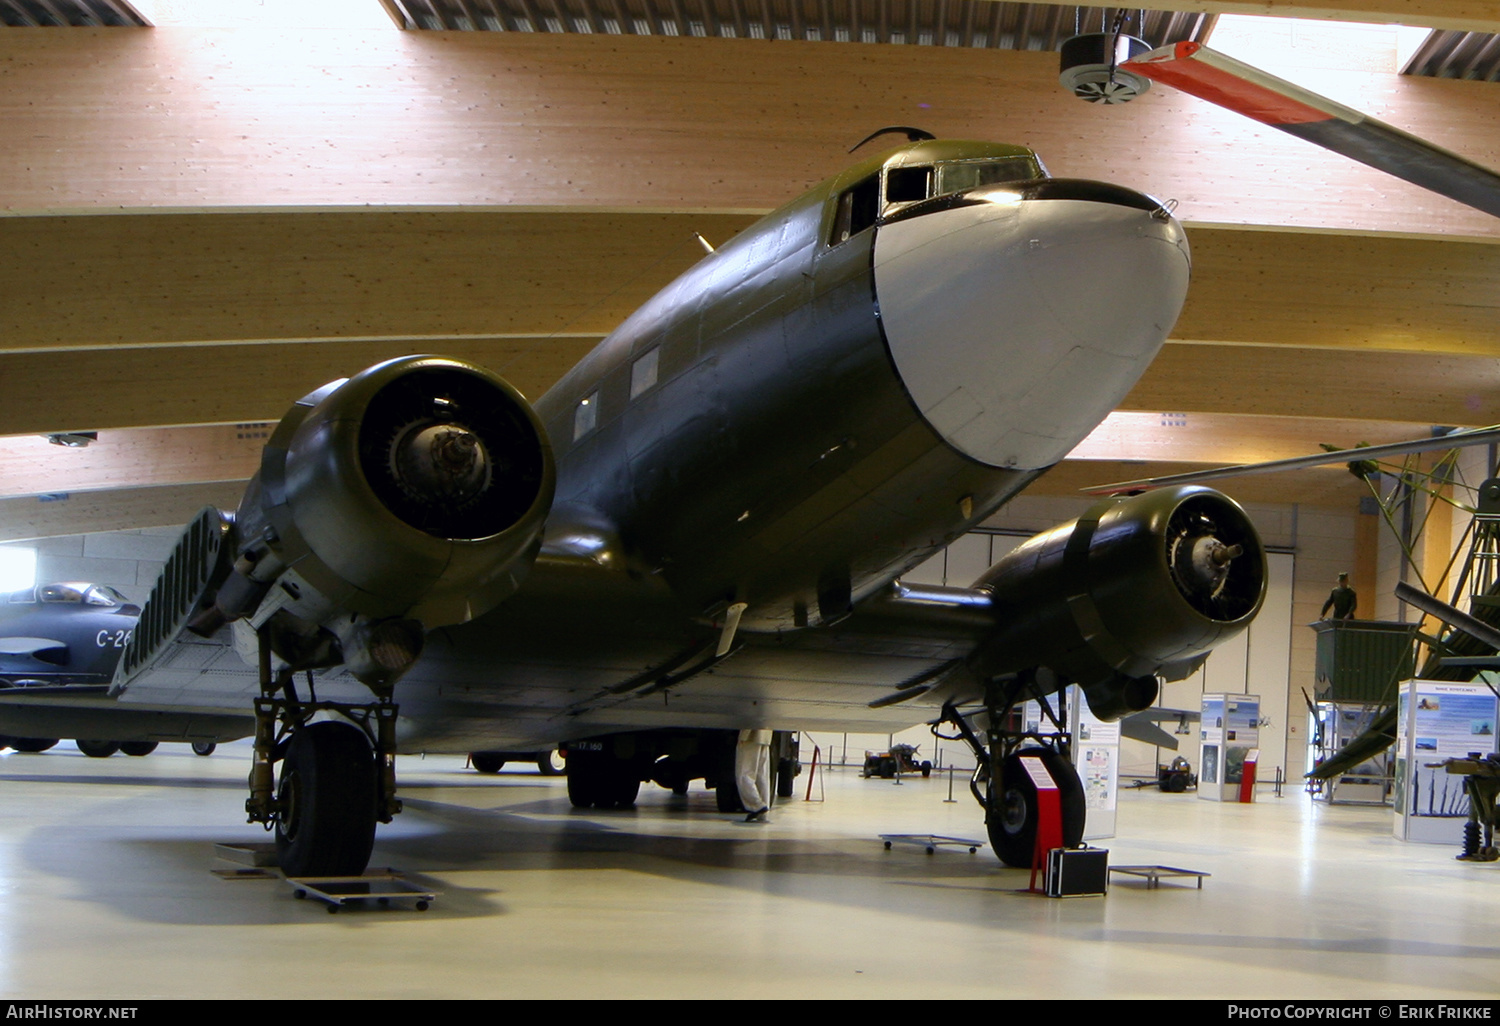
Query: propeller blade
point(1222, 80)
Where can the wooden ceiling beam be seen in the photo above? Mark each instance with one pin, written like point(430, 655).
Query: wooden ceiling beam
point(24, 519)
point(106, 119)
point(213, 454)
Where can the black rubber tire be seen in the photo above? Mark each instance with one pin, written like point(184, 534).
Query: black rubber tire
point(623, 789)
point(138, 748)
point(583, 785)
point(328, 795)
point(1011, 822)
point(97, 749)
point(486, 762)
point(31, 744)
point(204, 747)
point(786, 778)
point(727, 794)
point(551, 764)
point(926, 769)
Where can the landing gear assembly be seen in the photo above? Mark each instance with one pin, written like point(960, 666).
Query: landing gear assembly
point(1001, 783)
point(337, 778)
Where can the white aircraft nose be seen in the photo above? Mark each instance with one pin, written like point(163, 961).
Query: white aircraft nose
point(1019, 318)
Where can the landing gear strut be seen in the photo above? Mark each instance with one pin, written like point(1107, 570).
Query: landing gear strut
point(338, 776)
point(1002, 784)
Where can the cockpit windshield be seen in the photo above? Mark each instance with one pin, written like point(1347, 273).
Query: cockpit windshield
point(906, 185)
point(962, 175)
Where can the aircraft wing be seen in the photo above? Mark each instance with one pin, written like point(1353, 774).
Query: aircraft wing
point(1456, 440)
point(31, 646)
point(1138, 729)
point(1220, 79)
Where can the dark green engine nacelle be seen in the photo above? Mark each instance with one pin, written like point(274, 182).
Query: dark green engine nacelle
point(410, 496)
point(1138, 587)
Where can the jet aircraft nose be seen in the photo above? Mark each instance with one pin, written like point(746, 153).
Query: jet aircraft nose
point(1018, 316)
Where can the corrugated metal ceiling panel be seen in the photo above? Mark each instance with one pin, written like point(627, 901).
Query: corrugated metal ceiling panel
point(976, 23)
point(1469, 55)
point(70, 14)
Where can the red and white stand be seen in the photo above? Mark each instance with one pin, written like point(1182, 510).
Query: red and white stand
point(1049, 833)
point(1247, 779)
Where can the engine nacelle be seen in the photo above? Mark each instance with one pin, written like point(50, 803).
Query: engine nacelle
point(1136, 587)
point(407, 497)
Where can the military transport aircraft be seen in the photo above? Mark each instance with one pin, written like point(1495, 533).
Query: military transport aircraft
point(702, 526)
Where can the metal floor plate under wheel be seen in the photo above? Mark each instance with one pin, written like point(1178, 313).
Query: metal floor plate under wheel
point(1155, 874)
point(932, 842)
point(380, 888)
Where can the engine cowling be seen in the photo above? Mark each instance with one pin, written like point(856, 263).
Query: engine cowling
point(408, 497)
point(1137, 587)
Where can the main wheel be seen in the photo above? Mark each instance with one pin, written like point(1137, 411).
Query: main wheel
point(1011, 819)
point(727, 795)
point(204, 747)
point(486, 762)
point(327, 797)
point(622, 789)
point(97, 749)
point(786, 778)
point(137, 747)
point(551, 763)
point(581, 786)
point(31, 744)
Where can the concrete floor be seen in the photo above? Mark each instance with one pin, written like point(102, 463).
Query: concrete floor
point(105, 868)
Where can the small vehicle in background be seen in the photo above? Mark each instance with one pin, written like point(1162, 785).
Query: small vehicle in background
point(549, 763)
point(900, 759)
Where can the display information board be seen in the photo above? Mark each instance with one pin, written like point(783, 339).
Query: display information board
point(1096, 754)
point(1230, 730)
point(1438, 720)
point(1096, 757)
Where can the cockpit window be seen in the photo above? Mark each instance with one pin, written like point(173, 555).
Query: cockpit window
point(962, 175)
point(908, 184)
point(60, 593)
point(857, 209)
point(104, 595)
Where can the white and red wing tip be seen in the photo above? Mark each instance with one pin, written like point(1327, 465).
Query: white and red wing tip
point(1220, 79)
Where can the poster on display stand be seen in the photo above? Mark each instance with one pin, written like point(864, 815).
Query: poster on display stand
point(1229, 731)
point(1096, 757)
point(1438, 720)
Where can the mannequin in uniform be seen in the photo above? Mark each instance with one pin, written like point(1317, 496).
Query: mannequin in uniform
point(752, 771)
point(1342, 600)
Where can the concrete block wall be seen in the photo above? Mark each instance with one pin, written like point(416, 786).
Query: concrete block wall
point(128, 561)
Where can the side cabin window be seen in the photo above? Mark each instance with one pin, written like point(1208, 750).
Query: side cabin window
point(586, 415)
point(643, 371)
point(857, 208)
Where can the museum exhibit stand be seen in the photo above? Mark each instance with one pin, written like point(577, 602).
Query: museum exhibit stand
point(1230, 747)
point(1438, 720)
